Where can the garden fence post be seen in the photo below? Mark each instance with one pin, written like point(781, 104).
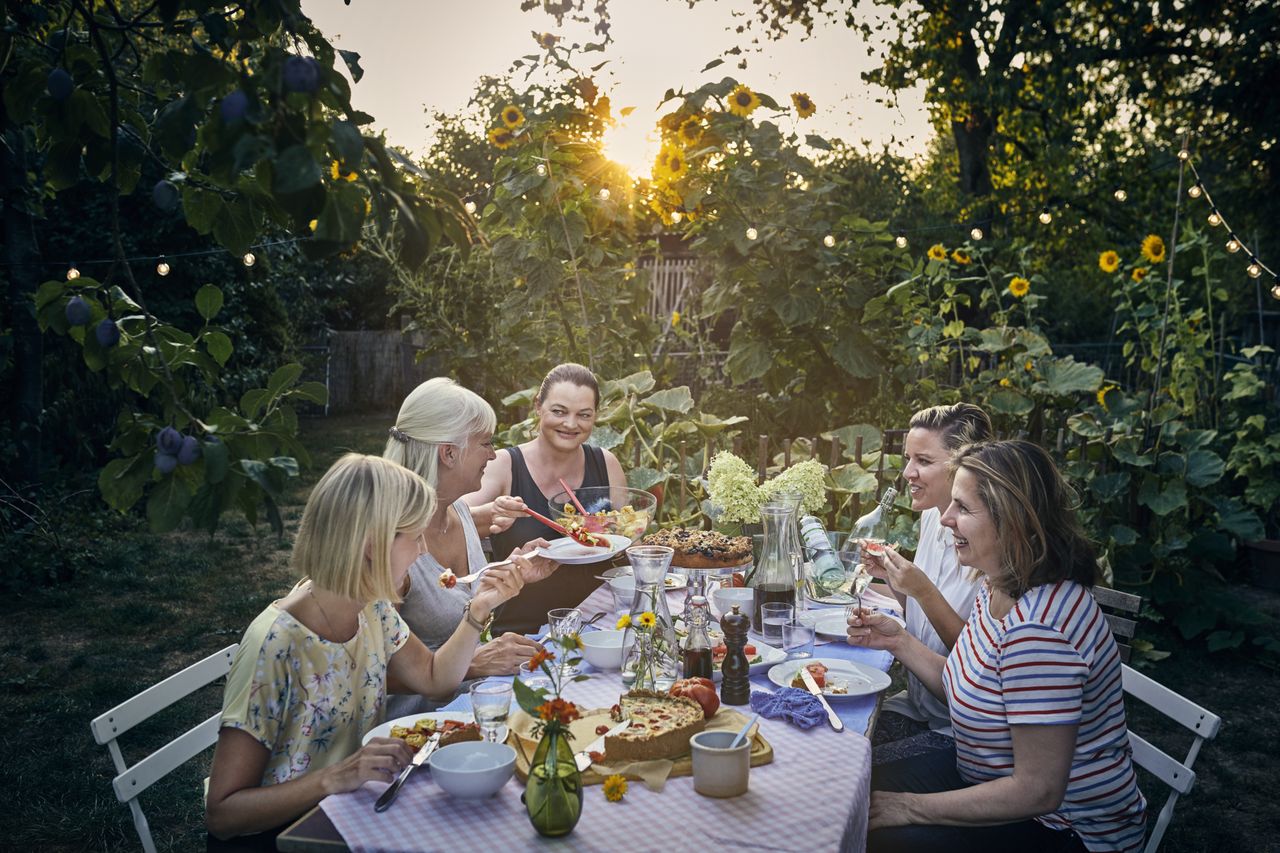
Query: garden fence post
point(764, 458)
point(684, 480)
point(786, 453)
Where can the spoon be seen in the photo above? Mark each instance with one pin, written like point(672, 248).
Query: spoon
point(737, 739)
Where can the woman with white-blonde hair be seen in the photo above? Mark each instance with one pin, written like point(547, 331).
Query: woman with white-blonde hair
point(444, 432)
point(313, 670)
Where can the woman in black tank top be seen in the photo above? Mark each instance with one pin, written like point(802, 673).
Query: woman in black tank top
point(565, 407)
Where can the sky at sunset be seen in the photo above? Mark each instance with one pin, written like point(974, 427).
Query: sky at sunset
point(420, 56)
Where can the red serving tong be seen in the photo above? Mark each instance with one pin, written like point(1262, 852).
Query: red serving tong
point(590, 522)
point(577, 535)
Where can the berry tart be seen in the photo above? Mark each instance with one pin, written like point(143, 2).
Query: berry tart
point(703, 549)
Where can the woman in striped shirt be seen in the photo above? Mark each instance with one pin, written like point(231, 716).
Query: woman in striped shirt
point(1033, 684)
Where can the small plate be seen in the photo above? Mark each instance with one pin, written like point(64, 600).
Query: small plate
point(571, 553)
point(674, 581)
point(384, 730)
point(832, 624)
point(770, 657)
point(860, 680)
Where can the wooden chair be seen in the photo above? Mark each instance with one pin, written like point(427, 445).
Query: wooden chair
point(1178, 775)
point(1122, 627)
point(132, 781)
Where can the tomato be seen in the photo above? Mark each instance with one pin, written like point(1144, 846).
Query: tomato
point(749, 650)
point(700, 690)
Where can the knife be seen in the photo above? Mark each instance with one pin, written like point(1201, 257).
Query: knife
point(583, 758)
point(389, 795)
point(835, 721)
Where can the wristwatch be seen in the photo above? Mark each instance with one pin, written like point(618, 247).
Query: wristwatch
point(482, 627)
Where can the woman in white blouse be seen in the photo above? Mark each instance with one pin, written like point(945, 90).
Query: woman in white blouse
point(936, 592)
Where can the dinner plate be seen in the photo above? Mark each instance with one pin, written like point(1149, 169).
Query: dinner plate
point(670, 581)
point(384, 730)
point(832, 624)
point(568, 552)
point(859, 679)
point(770, 656)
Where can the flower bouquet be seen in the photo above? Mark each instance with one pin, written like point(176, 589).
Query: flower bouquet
point(736, 499)
point(553, 795)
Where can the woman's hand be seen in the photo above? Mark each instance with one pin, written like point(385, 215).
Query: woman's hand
point(874, 630)
point(534, 569)
point(496, 586)
point(889, 808)
point(506, 509)
point(379, 760)
point(502, 655)
point(902, 574)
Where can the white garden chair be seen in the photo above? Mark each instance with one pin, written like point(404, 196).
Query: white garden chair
point(1178, 775)
point(132, 781)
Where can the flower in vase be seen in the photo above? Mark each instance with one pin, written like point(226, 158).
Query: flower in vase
point(540, 657)
point(573, 641)
point(646, 620)
point(558, 711)
point(615, 788)
point(624, 622)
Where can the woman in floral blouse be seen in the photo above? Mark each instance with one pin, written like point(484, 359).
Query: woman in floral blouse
point(313, 671)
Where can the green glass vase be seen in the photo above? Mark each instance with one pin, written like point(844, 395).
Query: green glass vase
point(553, 795)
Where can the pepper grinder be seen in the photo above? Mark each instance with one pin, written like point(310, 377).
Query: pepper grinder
point(735, 686)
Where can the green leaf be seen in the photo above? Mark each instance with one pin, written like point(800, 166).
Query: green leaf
point(1063, 377)
point(605, 437)
point(167, 504)
point(315, 392)
point(749, 357)
point(1123, 535)
point(234, 227)
point(995, 340)
point(676, 399)
point(1007, 401)
point(1204, 468)
point(121, 481)
point(1110, 486)
point(219, 346)
point(1238, 520)
point(283, 377)
point(209, 301)
point(849, 435)
point(201, 208)
point(252, 401)
point(217, 461)
point(854, 478)
point(815, 141)
point(295, 171)
point(1162, 501)
point(1192, 621)
point(857, 355)
point(528, 698)
point(352, 59)
point(645, 478)
point(1219, 640)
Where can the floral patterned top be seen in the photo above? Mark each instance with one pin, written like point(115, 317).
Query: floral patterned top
point(304, 698)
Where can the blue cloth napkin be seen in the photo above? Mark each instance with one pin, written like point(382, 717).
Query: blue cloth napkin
point(790, 704)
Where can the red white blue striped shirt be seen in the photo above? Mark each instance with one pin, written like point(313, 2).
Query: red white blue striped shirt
point(1051, 661)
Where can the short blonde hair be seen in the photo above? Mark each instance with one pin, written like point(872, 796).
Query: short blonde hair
point(359, 505)
point(439, 411)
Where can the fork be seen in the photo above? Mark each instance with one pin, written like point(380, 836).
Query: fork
point(474, 576)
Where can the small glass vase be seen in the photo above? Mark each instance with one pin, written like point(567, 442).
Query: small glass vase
point(651, 656)
point(553, 795)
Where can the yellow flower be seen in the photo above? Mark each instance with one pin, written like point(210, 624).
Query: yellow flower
point(1109, 261)
point(312, 225)
point(647, 619)
point(1153, 248)
point(501, 137)
point(690, 132)
point(1102, 395)
point(675, 318)
point(615, 788)
point(1139, 273)
point(624, 621)
point(1005, 383)
point(677, 168)
point(512, 117)
point(368, 207)
point(1019, 287)
point(1029, 366)
point(743, 101)
point(937, 252)
point(804, 106)
point(335, 170)
point(960, 256)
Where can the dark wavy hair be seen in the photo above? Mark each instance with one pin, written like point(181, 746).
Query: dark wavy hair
point(959, 423)
point(1033, 510)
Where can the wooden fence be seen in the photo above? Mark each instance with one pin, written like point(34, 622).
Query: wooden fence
point(368, 370)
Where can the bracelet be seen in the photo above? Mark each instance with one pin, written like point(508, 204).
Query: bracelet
point(475, 623)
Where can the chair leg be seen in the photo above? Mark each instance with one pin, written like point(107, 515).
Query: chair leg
point(140, 824)
point(1162, 823)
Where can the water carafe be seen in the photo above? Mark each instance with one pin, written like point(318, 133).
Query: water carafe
point(651, 654)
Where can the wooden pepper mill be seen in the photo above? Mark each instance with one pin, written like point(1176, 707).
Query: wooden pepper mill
point(735, 687)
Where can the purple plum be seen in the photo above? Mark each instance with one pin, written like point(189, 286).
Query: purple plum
point(190, 451)
point(234, 106)
point(301, 74)
point(166, 462)
point(169, 441)
point(59, 84)
point(78, 311)
point(107, 333)
point(165, 195)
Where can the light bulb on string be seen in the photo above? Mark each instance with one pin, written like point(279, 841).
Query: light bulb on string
point(1045, 217)
point(976, 233)
point(542, 170)
point(1184, 154)
point(901, 242)
point(1254, 270)
point(827, 241)
point(249, 259)
point(72, 272)
point(752, 233)
point(676, 216)
point(1275, 289)
point(1121, 195)
point(1195, 191)
point(1233, 245)
point(162, 267)
point(1215, 219)
point(604, 193)
point(469, 207)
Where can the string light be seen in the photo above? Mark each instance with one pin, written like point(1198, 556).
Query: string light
point(976, 233)
point(1275, 289)
point(542, 170)
point(901, 242)
point(752, 233)
point(1215, 219)
point(249, 259)
point(676, 216)
point(1254, 270)
point(162, 268)
point(1121, 196)
point(72, 272)
point(469, 207)
point(827, 241)
point(604, 193)
point(1045, 217)
point(1233, 245)
point(1184, 154)
point(1195, 191)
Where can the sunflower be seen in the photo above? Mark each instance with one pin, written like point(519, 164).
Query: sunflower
point(624, 621)
point(690, 131)
point(335, 171)
point(1139, 273)
point(743, 101)
point(1108, 261)
point(1005, 383)
point(937, 252)
point(1153, 248)
point(804, 106)
point(675, 318)
point(960, 256)
point(1029, 366)
point(1019, 287)
point(646, 619)
point(615, 787)
point(1102, 395)
point(512, 117)
point(501, 137)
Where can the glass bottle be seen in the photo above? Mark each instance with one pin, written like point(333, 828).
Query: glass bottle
point(697, 647)
point(826, 572)
point(735, 683)
point(651, 655)
point(870, 529)
point(773, 578)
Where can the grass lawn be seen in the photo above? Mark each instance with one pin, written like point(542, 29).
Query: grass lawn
point(155, 604)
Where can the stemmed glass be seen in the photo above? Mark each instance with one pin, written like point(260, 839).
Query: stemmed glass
point(490, 703)
point(564, 621)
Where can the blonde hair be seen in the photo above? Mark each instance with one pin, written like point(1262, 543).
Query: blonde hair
point(359, 505)
point(437, 412)
point(1033, 510)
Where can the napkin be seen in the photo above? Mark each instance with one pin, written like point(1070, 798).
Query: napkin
point(790, 704)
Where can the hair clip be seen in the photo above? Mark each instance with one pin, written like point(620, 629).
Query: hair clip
point(398, 435)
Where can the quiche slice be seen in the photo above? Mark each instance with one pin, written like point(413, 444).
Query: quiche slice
point(661, 726)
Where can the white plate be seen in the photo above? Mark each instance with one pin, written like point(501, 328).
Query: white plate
point(384, 730)
point(832, 624)
point(860, 680)
point(573, 553)
point(770, 657)
point(675, 581)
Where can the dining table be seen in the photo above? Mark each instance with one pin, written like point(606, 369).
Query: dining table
point(813, 795)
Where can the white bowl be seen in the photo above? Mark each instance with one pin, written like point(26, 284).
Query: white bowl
point(727, 596)
point(623, 586)
point(603, 649)
point(474, 769)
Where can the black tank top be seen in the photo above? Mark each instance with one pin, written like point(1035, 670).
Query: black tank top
point(570, 584)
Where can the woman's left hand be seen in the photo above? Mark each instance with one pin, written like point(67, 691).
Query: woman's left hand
point(889, 808)
point(497, 585)
point(534, 569)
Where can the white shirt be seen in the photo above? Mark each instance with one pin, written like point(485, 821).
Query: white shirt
point(936, 557)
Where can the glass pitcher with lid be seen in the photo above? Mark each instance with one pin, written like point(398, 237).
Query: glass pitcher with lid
point(651, 656)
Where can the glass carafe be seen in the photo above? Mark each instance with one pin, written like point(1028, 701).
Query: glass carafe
point(794, 544)
point(774, 575)
point(651, 656)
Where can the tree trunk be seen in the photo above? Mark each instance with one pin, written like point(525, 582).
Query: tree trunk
point(28, 343)
point(973, 145)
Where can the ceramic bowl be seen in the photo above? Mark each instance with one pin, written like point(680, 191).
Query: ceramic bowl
point(474, 769)
point(603, 649)
point(727, 596)
point(719, 771)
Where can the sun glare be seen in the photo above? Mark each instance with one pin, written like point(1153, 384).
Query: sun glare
point(632, 143)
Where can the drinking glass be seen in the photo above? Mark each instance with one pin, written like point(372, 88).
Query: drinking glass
point(797, 639)
point(564, 621)
point(773, 615)
point(490, 703)
point(534, 678)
